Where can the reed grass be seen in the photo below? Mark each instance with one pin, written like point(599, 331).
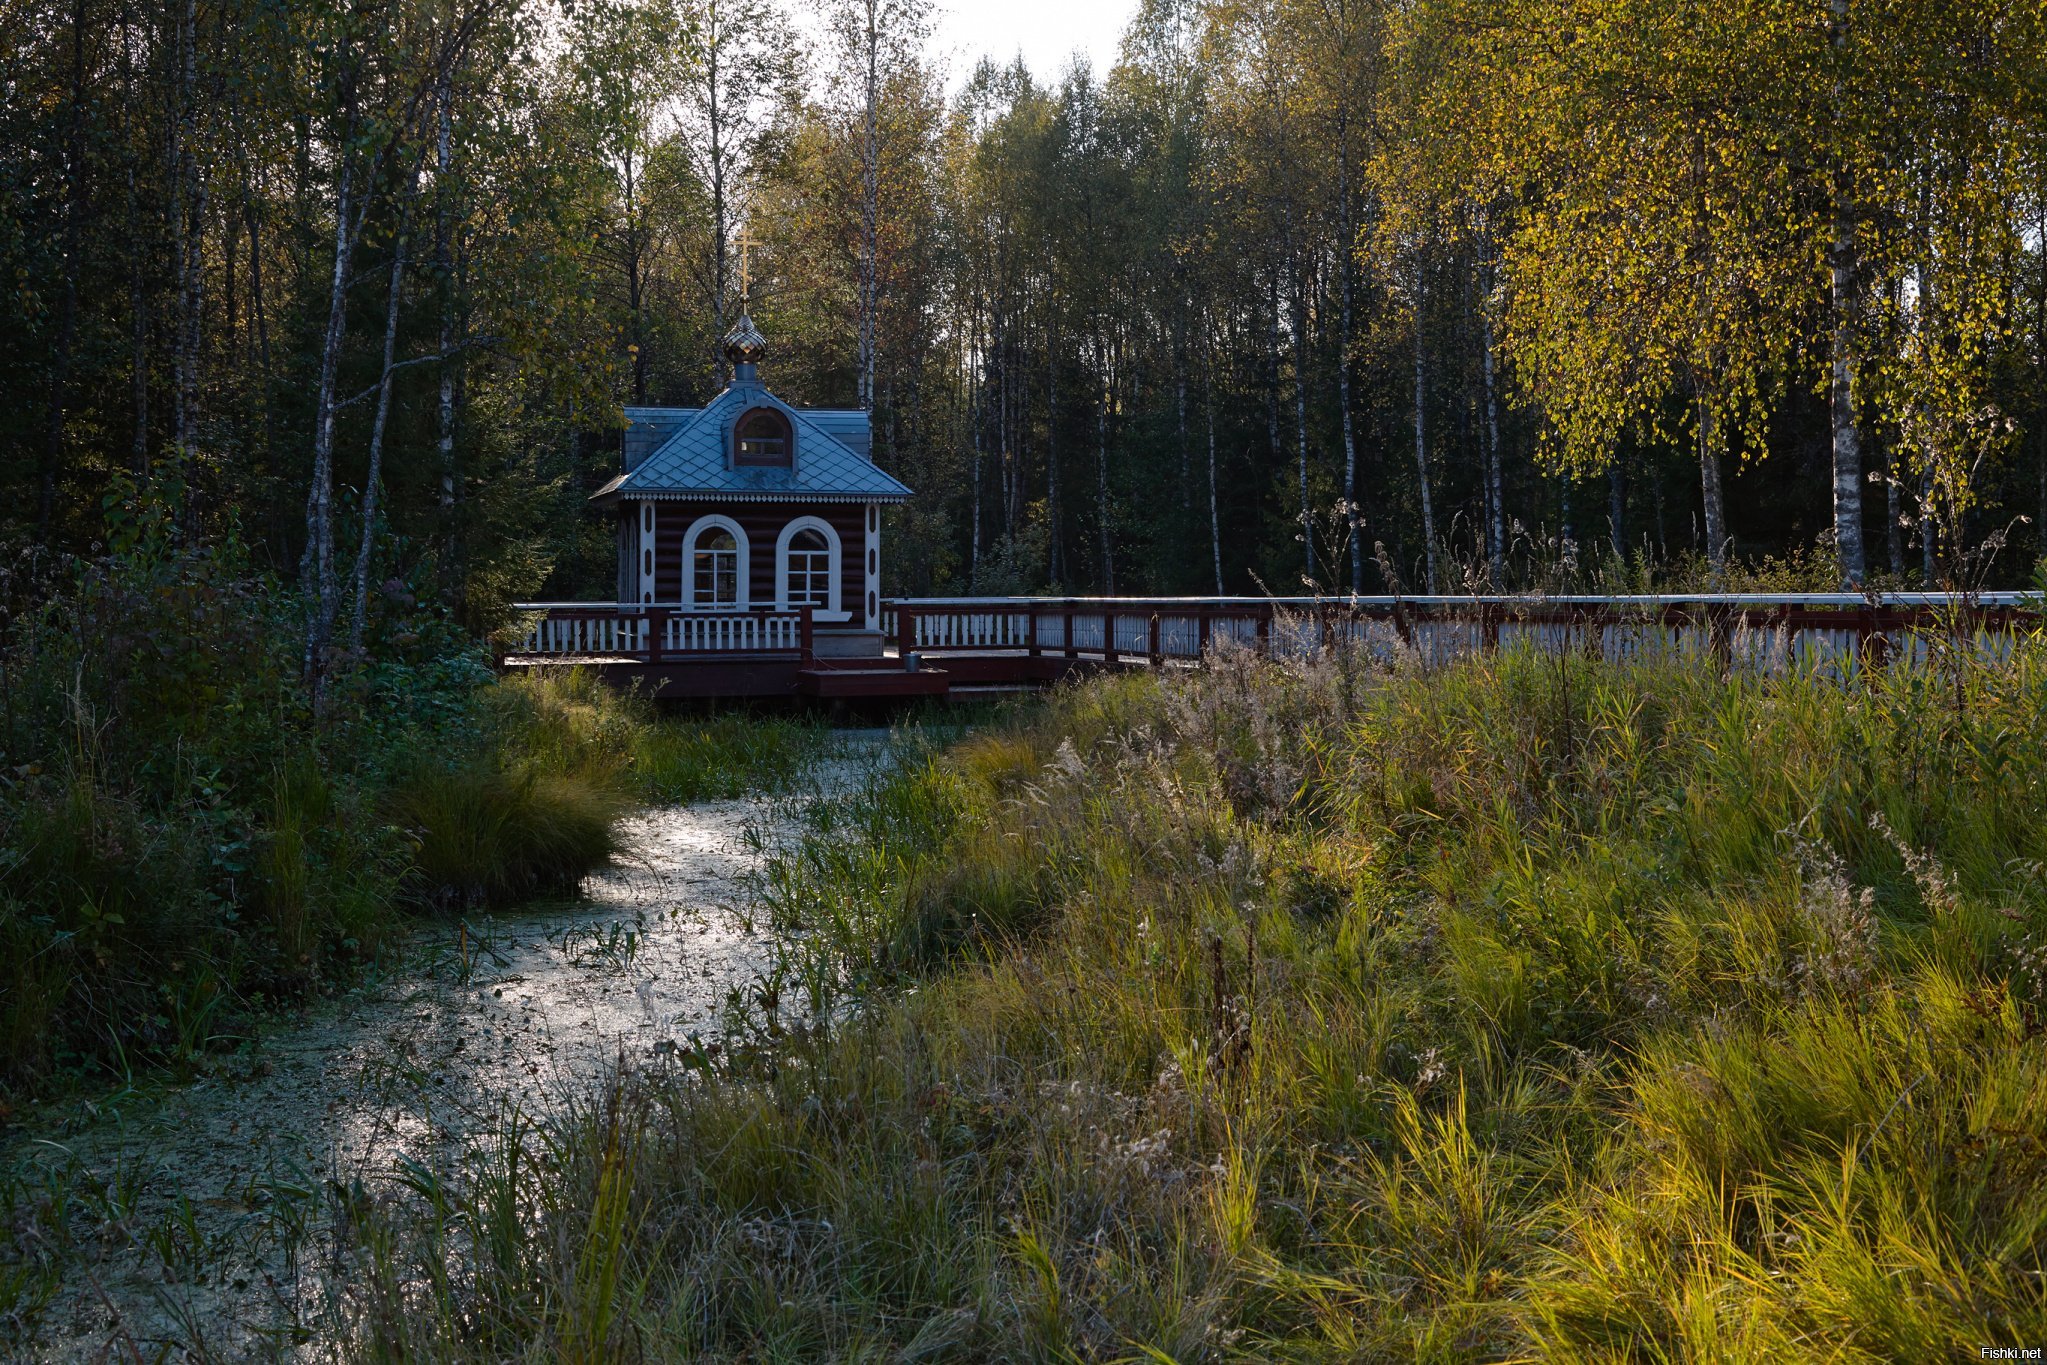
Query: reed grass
point(1529, 1008)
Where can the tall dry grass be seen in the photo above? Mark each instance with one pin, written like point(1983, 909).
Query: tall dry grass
point(1530, 1008)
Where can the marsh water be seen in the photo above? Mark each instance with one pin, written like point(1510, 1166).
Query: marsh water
point(199, 1196)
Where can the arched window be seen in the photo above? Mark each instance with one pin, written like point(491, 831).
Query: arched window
point(807, 567)
point(762, 438)
point(715, 559)
point(714, 571)
point(810, 570)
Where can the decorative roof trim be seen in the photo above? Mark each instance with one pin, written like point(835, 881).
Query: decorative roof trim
point(753, 495)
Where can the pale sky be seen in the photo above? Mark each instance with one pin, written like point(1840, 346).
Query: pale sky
point(1046, 32)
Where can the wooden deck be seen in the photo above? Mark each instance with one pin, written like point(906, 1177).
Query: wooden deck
point(956, 647)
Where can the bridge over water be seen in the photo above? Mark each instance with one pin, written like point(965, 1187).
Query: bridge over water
point(940, 646)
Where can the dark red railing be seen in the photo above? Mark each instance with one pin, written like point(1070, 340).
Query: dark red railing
point(1837, 630)
point(1769, 630)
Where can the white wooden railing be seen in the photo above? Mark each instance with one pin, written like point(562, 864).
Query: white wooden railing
point(602, 631)
point(732, 632)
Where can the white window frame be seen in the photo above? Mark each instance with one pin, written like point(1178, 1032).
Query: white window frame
point(834, 609)
point(699, 528)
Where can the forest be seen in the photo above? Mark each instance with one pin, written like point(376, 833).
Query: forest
point(364, 997)
point(1368, 296)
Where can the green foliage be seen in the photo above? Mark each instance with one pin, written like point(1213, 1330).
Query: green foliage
point(183, 839)
point(723, 756)
point(489, 834)
point(1535, 1007)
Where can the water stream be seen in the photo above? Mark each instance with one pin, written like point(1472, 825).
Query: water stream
point(195, 1191)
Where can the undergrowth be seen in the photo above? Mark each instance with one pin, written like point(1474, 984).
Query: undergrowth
point(1532, 1007)
point(186, 840)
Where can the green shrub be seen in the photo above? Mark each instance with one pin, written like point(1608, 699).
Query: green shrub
point(485, 833)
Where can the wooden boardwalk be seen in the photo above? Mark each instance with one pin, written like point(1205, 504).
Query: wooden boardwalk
point(963, 646)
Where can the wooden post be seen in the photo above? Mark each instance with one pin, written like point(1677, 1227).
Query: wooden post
point(906, 631)
point(806, 634)
point(1072, 651)
point(1109, 651)
point(1265, 631)
point(657, 633)
point(1876, 643)
point(1031, 631)
point(1156, 657)
point(1206, 628)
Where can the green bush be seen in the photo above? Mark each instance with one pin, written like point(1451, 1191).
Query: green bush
point(182, 836)
point(489, 833)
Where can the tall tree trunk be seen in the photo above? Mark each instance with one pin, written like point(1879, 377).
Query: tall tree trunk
point(1058, 557)
point(721, 223)
point(1180, 396)
point(67, 302)
point(1354, 522)
point(1925, 311)
point(1215, 526)
point(1842, 263)
point(1711, 499)
point(1016, 462)
point(1272, 367)
point(444, 284)
point(1894, 535)
point(636, 280)
point(2040, 363)
point(2040, 440)
point(1496, 514)
point(1929, 534)
point(190, 217)
point(1005, 440)
point(1300, 327)
point(1656, 489)
point(320, 497)
point(1616, 505)
point(1105, 531)
point(230, 269)
point(974, 427)
point(138, 341)
point(870, 205)
point(373, 478)
point(1421, 443)
point(259, 328)
point(129, 40)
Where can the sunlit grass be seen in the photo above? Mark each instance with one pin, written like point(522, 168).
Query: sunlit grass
point(1528, 1008)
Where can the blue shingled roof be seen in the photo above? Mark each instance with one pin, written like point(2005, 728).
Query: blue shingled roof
point(694, 459)
point(648, 429)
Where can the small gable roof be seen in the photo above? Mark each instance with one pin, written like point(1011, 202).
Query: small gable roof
point(685, 453)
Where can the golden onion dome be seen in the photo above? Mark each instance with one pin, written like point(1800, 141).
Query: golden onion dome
point(745, 345)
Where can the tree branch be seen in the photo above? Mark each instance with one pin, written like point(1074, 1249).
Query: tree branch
point(478, 344)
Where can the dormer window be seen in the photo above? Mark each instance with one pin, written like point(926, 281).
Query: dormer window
point(762, 439)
